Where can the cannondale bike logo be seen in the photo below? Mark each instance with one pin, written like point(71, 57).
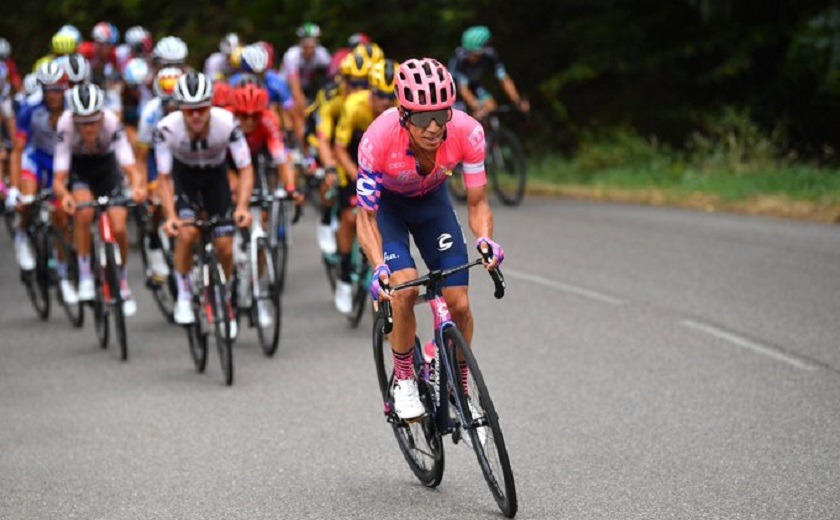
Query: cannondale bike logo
point(444, 242)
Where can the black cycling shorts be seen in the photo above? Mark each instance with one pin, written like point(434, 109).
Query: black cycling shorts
point(205, 189)
point(98, 173)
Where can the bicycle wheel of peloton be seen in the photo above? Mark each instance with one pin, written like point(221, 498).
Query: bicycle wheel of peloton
point(75, 312)
point(507, 167)
point(419, 441)
point(482, 422)
point(221, 325)
point(37, 280)
point(360, 292)
point(100, 307)
point(456, 184)
point(165, 291)
point(112, 273)
point(267, 292)
point(280, 254)
point(197, 337)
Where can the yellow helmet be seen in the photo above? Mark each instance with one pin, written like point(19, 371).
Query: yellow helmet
point(371, 51)
point(355, 67)
point(383, 76)
point(63, 43)
point(235, 57)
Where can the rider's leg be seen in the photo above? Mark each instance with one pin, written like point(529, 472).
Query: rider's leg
point(82, 220)
point(28, 186)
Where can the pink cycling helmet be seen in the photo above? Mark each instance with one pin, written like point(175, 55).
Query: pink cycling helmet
point(424, 84)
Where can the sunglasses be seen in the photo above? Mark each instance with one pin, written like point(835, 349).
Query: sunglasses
point(191, 112)
point(425, 118)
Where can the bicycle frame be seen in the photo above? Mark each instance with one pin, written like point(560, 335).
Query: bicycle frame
point(105, 236)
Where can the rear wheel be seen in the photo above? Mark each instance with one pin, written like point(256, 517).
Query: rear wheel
point(100, 307)
point(456, 184)
point(419, 441)
point(481, 424)
point(507, 167)
point(361, 281)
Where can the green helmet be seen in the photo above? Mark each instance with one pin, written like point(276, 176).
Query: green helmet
point(475, 38)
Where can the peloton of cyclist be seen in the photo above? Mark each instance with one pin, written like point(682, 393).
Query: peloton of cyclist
point(404, 159)
point(91, 148)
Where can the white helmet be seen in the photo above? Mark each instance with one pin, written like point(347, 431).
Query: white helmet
point(135, 35)
point(228, 43)
point(31, 84)
point(170, 50)
point(50, 73)
point(76, 67)
point(72, 31)
point(136, 72)
point(254, 58)
point(5, 49)
point(86, 101)
point(193, 90)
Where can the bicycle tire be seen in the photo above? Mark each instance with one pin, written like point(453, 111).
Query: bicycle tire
point(37, 281)
point(221, 325)
point(332, 267)
point(100, 309)
point(360, 292)
point(197, 338)
point(269, 337)
point(494, 443)
point(280, 254)
point(112, 272)
point(456, 184)
point(75, 312)
point(508, 177)
point(429, 468)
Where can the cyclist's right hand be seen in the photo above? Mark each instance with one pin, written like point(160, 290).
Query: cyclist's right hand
point(381, 277)
point(171, 226)
point(68, 204)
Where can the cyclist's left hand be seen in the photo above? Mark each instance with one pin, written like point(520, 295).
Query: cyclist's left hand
point(242, 217)
point(484, 245)
point(139, 193)
point(524, 105)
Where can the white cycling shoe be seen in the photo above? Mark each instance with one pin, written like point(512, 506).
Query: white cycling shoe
point(24, 254)
point(264, 317)
point(129, 305)
point(343, 297)
point(157, 263)
point(407, 402)
point(87, 290)
point(326, 239)
point(68, 292)
point(183, 312)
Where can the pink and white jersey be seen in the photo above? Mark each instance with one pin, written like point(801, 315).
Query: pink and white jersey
point(111, 139)
point(385, 161)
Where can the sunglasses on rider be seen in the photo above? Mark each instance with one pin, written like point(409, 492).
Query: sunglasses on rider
point(425, 118)
point(195, 111)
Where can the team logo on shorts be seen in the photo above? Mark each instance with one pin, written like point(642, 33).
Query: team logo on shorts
point(444, 242)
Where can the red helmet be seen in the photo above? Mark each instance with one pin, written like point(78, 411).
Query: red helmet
point(222, 95)
point(249, 99)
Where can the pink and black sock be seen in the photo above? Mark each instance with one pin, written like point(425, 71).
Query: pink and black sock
point(403, 366)
point(465, 374)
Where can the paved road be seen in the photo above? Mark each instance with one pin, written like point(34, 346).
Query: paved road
point(646, 363)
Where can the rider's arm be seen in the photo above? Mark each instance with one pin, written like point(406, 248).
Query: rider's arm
point(241, 155)
point(125, 156)
point(62, 154)
point(469, 98)
point(473, 144)
point(17, 148)
point(368, 189)
point(510, 89)
point(163, 158)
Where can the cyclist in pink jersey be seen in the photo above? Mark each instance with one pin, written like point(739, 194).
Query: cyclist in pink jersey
point(405, 157)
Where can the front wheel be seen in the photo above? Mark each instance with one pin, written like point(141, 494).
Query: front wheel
point(419, 441)
point(221, 319)
point(480, 422)
point(112, 273)
point(66, 254)
point(266, 303)
point(507, 167)
point(37, 281)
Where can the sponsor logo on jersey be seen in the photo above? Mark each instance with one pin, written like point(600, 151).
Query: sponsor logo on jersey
point(365, 187)
point(476, 138)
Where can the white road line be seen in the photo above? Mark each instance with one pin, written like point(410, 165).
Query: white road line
point(580, 291)
point(749, 345)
